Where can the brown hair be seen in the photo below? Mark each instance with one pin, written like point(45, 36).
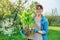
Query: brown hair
point(39, 7)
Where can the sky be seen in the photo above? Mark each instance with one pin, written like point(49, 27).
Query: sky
point(48, 5)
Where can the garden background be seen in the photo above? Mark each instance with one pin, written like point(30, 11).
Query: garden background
point(10, 19)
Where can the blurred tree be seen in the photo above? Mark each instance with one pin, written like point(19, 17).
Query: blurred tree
point(8, 12)
point(54, 18)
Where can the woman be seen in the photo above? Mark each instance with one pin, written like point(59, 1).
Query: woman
point(41, 29)
point(42, 22)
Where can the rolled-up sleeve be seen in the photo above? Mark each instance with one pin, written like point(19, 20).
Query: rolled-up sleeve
point(22, 34)
point(45, 27)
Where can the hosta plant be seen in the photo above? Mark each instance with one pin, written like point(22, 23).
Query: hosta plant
point(27, 22)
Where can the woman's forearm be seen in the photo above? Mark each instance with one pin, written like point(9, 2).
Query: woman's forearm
point(40, 32)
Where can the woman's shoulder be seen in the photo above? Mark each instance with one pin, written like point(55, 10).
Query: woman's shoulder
point(44, 19)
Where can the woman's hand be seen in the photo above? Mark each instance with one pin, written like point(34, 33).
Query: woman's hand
point(40, 32)
point(36, 31)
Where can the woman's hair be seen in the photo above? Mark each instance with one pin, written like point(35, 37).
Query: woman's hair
point(39, 7)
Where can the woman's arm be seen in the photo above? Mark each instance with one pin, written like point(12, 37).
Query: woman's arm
point(45, 28)
point(40, 32)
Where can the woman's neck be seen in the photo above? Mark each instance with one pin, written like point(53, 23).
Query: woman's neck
point(38, 18)
point(38, 15)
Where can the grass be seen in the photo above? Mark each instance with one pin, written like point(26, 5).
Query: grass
point(56, 28)
point(53, 34)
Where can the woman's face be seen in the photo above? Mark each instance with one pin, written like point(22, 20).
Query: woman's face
point(39, 11)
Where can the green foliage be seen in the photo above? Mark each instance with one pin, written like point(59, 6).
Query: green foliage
point(54, 20)
point(26, 19)
point(9, 11)
point(5, 9)
point(16, 12)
